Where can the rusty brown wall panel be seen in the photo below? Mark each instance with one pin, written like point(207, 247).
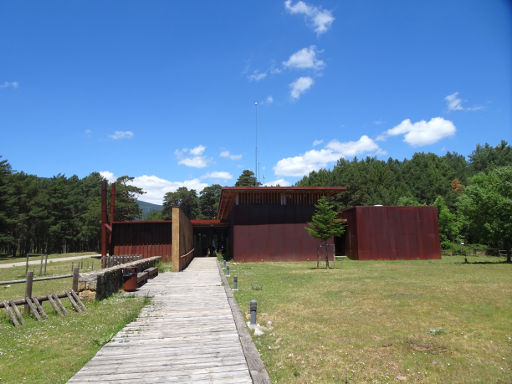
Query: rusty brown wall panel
point(392, 233)
point(270, 214)
point(144, 238)
point(273, 242)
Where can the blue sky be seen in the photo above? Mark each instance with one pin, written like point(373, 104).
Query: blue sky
point(164, 91)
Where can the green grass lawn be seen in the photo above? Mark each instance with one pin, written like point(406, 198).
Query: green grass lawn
point(383, 321)
point(17, 291)
point(53, 350)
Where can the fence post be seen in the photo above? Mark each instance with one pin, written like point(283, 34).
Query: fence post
point(28, 289)
point(76, 274)
point(26, 266)
point(41, 267)
point(45, 262)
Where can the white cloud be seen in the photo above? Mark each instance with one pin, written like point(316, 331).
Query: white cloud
point(109, 176)
point(192, 157)
point(315, 159)
point(220, 175)
point(10, 84)
point(319, 19)
point(422, 132)
point(156, 188)
point(317, 142)
point(305, 59)
point(268, 100)
point(228, 155)
point(454, 103)
point(278, 182)
point(301, 85)
point(257, 75)
point(121, 135)
point(197, 151)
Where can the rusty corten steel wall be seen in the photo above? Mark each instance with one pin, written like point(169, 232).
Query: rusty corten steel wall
point(392, 233)
point(146, 239)
point(270, 214)
point(273, 242)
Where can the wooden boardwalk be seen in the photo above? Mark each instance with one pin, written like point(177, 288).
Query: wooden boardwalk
point(186, 335)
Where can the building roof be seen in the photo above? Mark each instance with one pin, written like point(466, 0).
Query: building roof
point(262, 195)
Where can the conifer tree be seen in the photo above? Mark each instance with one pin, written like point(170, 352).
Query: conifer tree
point(325, 224)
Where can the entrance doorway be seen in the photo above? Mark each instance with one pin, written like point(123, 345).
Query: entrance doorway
point(209, 239)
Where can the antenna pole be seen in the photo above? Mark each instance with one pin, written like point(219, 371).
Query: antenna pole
point(256, 165)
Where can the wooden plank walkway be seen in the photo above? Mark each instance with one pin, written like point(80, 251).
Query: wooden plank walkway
point(186, 335)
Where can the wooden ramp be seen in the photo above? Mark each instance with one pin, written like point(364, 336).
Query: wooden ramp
point(186, 335)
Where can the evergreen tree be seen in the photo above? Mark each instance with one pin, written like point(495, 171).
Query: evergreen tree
point(209, 201)
point(247, 179)
point(154, 215)
point(183, 198)
point(325, 224)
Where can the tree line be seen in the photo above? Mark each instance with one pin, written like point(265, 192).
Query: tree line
point(473, 197)
point(57, 214)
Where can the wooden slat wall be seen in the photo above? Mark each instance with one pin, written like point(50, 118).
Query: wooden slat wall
point(146, 239)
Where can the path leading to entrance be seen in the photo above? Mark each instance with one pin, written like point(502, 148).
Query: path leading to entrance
point(53, 260)
point(186, 335)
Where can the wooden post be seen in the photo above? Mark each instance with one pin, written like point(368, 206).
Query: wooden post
point(45, 262)
point(112, 210)
point(28, 289)
point(11, 315)
point(17, 312)
point(76, 275)
point(41, 267)
point(55, 308)
point(33, 308)
point(62, 308)
point(26, 266)
point(103, 222)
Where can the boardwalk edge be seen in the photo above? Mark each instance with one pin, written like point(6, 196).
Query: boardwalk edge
point(257, 369)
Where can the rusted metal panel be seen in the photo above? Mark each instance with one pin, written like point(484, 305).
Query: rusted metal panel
point(275, 196)
point(143, 238)
point(271, 214)
point(273, 242)
point(392, 233)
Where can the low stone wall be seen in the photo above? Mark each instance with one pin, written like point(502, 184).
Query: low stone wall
point(101, 284)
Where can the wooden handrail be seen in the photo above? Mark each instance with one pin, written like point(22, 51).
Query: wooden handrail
point(186, 254)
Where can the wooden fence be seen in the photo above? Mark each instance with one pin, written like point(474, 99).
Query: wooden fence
point(32, 304)
point(111, 261)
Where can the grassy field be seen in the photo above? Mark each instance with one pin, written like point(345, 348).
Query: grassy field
point(8, 259)
point(17, 291)
point(53, 350)
point(383, 322)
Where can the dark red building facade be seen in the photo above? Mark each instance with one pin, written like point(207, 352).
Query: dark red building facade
point(267, 224)
point(391, 233)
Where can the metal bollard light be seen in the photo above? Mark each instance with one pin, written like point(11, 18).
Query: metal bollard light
point(235, 283)
point(227, 270)
point(253, 308)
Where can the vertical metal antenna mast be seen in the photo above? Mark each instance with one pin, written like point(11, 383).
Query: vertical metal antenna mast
point(256, 165)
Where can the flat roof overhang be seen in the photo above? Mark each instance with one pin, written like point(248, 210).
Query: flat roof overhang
point(228, 195)
point(208, 224)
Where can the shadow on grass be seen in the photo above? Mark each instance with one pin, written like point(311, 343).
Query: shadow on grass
point(484, 262)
